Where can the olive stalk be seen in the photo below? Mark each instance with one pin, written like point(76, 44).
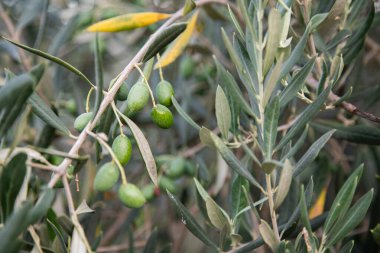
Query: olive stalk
point(114, 158)
point(147, 84)
point(88, 99)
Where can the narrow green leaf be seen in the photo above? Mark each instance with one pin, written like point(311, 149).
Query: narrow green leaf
point(184, 115)
point(235, 22)
point(98, 76)
point(343, 199)
point(12, 89)
point(297, 52)
point(11, 180)
point(301, 141)
point(43, 204)
point(226, 80)
point(144, 148)
point(347, 248)
point(164, 39)
point(283, 184)
point(51, 58)
point(46, 114)
point(354, 216)
point(363, 134)
point(311, 153)
point(59, 235)
point(238, 199)
point(215, 213)
point(191, 223)
point(223, 112)
point(274, 37)
point(272, 113)
point(268, 235)
point(305, 117)
point(304, 213)
point(232, 161)
point(296, 83)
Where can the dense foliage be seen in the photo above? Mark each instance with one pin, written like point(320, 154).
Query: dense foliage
point(189, 126)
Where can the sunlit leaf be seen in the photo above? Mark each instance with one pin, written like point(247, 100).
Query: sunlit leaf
point(127, 22)
point(172, 53)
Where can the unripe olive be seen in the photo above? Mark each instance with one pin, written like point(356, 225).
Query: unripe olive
point(138, 97)
point(131, 196)
point(166, 183)
point(164, 93)
point(176, 168)
point(106, 177)
point(148, 191)
point(71, 106)
point(190, 169)
point(122, 149)
point(122, 93)
point(162, 116)
point(82, 120)
point(187, 67)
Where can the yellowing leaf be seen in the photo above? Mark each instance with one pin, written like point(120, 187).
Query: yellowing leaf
point(317, 208)
point(127, 22)
point(172, 53)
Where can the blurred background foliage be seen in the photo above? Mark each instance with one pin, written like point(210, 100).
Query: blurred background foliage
point(58, 27)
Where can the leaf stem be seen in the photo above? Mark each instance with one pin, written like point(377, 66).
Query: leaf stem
point(147, 84)
point(271, 205)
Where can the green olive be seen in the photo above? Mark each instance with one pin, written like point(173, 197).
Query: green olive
point(190, 169)
point(162, 116)
point(131, 196)
point(166, 183)
point(122, 93)
point(148, 191)
point(164, 93)
point(106, 177)
point(82, 120)
point(138, 97)
point(187, 67)
point(176, 168)
point(122, 148)
point(71, 106)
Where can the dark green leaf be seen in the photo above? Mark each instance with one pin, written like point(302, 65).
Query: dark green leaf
point(296, 83)
point(238, 199)
point(363, 134)
point(311, 153)
point(305, 117)
point(343, 199)
point(191, 223)
point(184, 115)
point(353, 217)
point(46, 114)
point(272, 113)
point(164, 39)
point(232, 161)
point(347, 248)
point(51, 58)
point(11, 180)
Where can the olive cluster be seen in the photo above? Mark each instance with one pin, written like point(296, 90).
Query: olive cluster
point(138, 97)
point(109, 173)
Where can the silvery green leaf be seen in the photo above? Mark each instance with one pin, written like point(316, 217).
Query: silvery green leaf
point(272, 113)
point(268, 235)
point(311, 153)
point(274, 37)
point(283, 184)
point(223, 112)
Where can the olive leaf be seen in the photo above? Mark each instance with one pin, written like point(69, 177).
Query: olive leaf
point(283, 184)
point(144, 149)
point(127, 22)
point(223, 112)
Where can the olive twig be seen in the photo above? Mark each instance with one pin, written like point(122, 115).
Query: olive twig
point(117, 118)
point(160, 69)
point(147, 84)
point(114, 158)
point(88, 99)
